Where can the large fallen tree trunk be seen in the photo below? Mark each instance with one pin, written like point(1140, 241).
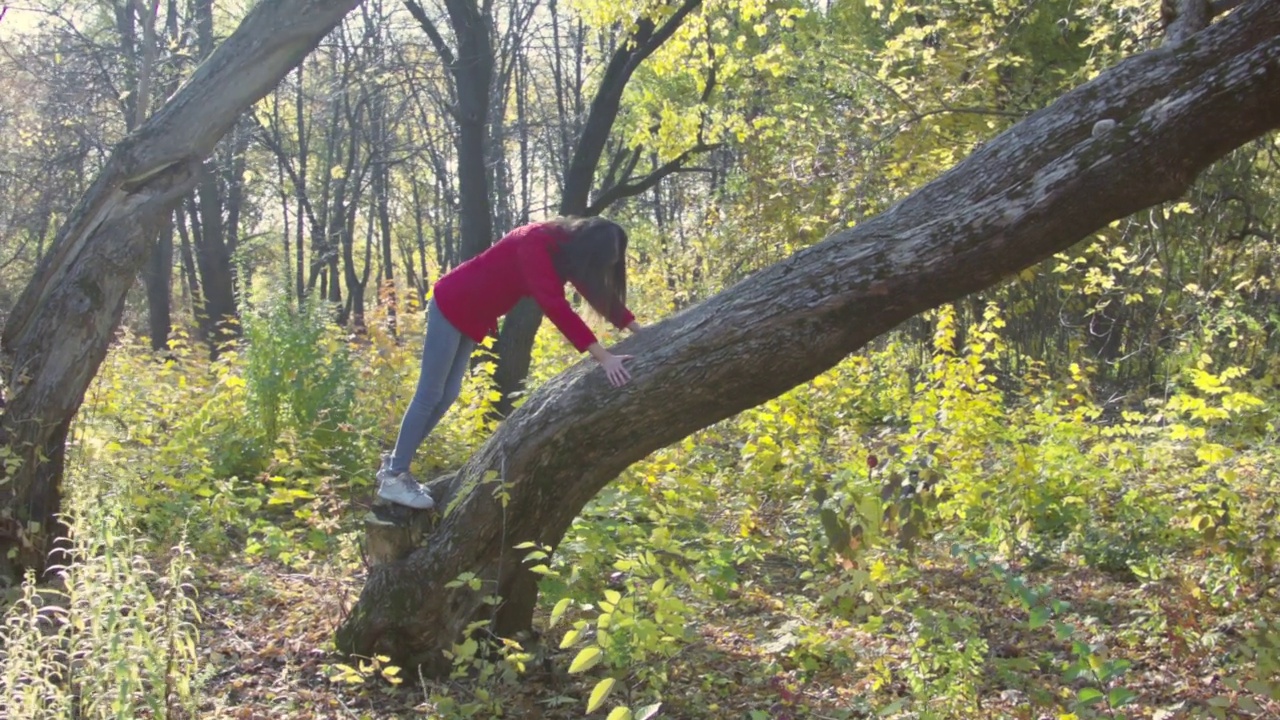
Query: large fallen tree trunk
point(1033, 191)
point(59, 331)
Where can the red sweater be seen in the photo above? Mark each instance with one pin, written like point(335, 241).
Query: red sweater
point(479, 291)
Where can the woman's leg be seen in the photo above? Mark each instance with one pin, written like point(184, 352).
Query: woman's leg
point(445, 356)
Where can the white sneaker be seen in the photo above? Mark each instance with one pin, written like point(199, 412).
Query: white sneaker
point(403, 489)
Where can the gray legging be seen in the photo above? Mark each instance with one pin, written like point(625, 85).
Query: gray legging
point(445, 356)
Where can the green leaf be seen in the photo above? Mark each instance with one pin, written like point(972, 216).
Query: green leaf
point(1088, 696)
point(1120, 696)
point(602, 690)
point(525, 545)
point(588, 658)
point(620, 713)
point(613, 596)
point(648, 711)
point(1262, 687)
point(1039, 617)
point(468, 648)
point(892, 707)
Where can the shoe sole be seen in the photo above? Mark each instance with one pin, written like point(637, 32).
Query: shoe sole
point(380, 500)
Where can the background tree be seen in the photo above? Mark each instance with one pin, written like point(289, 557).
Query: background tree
point(49, 358)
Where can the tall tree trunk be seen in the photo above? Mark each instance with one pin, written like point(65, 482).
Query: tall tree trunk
point(515, 342)
point(61, 326)
point(471, 72)
point(217, 203)
point(191, 283)
point(158, 276)
point(300, 190)
point(1033, 191)
point(159, 281)
point(323, 254)
point(382, 203)
point(217, 312)
point(474, 71)
point(422, 281)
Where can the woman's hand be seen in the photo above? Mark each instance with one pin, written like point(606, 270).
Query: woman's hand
point(635, 327)
point(612, 364)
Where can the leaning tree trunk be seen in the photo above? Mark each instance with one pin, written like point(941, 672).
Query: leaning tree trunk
point(58, 333)
point(1033, 191)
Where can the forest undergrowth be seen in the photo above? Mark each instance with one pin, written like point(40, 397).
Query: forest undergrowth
point(918, 533)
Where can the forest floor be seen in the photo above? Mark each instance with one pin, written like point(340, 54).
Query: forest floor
point(268, 652)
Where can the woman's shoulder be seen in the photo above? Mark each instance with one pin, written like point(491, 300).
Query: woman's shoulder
point(544, 231)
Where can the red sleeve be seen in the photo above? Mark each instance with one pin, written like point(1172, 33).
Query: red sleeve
point(624, 318)
point(547, 290)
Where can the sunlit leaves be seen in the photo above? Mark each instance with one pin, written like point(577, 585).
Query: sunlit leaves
point(586, 659)
point(600, 693)
point(620, 713)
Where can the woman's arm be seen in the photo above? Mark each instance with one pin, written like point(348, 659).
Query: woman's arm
point(547, 290)
point(634, 327)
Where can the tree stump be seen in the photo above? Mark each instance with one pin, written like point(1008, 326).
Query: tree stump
point(393, 531)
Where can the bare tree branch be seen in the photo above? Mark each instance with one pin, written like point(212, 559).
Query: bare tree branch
point(632, 188)
point(432, 32)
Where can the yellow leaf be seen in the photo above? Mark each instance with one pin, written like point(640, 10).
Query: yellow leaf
point(570, 638)
point(1212, 453)
point(620, 713)
point(587, 659)
point(558, 611)
point(601, 691)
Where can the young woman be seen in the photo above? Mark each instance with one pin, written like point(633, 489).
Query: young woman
point(531, 261)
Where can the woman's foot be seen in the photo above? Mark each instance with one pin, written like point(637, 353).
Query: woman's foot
point(403, 489)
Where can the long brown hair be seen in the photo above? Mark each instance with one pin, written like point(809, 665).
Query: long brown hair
point(594, 258)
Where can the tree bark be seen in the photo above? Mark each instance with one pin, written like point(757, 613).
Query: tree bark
point(58, 333)
point(1033, 191)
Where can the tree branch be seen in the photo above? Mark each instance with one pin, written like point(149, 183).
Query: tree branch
point(620, 157)
point(442, 48)
point(626, 189)
point(659, 36)
point(282, 158)
point(606, 103)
